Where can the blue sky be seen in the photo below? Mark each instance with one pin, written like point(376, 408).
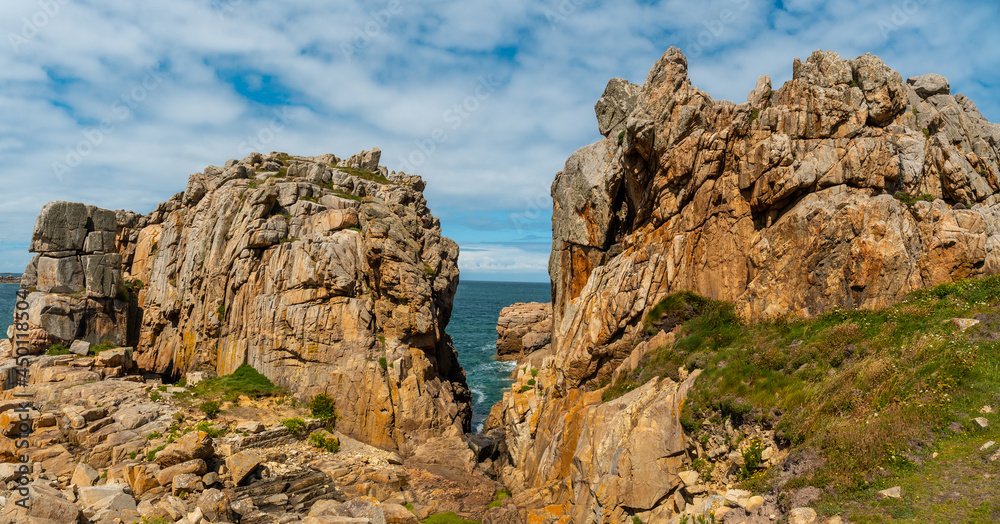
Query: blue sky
point(116, 102)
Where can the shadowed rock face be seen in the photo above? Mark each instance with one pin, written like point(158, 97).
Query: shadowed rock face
point(796, 202)
point(323, 279)
point(783, 204)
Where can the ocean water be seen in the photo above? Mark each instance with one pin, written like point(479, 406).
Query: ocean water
point(8, 296)
point(473, 330)
point(472, 327)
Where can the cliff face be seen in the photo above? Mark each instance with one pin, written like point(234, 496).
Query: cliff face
point(794, 202)
point(846, 187)
point(326, 275)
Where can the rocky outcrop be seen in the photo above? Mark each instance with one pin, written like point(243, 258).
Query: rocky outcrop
point(103, 445)
point(594, 461)
point(522, 329)
point(326, 275)
point(846, 187)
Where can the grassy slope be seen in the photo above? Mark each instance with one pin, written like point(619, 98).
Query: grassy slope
point(874, 392)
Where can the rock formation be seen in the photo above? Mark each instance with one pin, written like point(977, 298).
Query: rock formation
point(522, 329)
point(326, 275)
point(846, 187)
point(108, 445)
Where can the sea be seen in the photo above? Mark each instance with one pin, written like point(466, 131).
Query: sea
point(472, 328)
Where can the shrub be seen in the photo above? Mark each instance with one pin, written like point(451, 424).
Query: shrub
point(525, 388)
point(383, 363)
point(210, 408)
point(751, 459)
point(531, 382)
point(295, 425)
point(321, 441)
point(534, 373)
point(323, 407)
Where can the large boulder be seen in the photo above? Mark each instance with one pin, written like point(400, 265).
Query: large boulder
point(523, 328)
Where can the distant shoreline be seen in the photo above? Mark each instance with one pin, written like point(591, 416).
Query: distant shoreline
point(10, 279)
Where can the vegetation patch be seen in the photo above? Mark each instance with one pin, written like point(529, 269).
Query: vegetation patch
point(323, 407)
point(324, 442)
point(364, 174)
point(448, 518)
point(295, 425)
point(869, 391)
point(912, 200)
point(498, 499)
point(57, 349)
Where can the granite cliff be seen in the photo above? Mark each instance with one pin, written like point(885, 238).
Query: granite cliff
point(327, 275)
point(846, 187)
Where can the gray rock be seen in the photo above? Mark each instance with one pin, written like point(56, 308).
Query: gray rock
point(99, 242)
point(79, 347)
point(215, 505)
point(102, 274)
point(615, 105)
point(61, 226)
point(894, 492)
point(188, 483)
point(802, 516)
point(135, 416)
point(929, 85)
point(47, 507)
point(93, 494)
point(60, 275)
point(982, 422)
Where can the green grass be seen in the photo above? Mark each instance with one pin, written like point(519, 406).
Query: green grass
point(207, 427)
point(525, 388)
point(498, 498)
point(911, 200)
point(244, 381)
point(383, 363)
point(151, 454)
point(57, 349)
point(448, 518)
point(366, 175)
point(860, 387)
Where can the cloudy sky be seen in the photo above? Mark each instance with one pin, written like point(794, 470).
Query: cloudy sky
point(116, 102)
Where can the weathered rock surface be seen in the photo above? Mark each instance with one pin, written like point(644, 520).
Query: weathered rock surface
point(327, 276)
point(523, 328)
point(783, 204)
point(846, 187)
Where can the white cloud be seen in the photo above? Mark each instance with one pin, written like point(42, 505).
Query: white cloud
point(355, 77)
